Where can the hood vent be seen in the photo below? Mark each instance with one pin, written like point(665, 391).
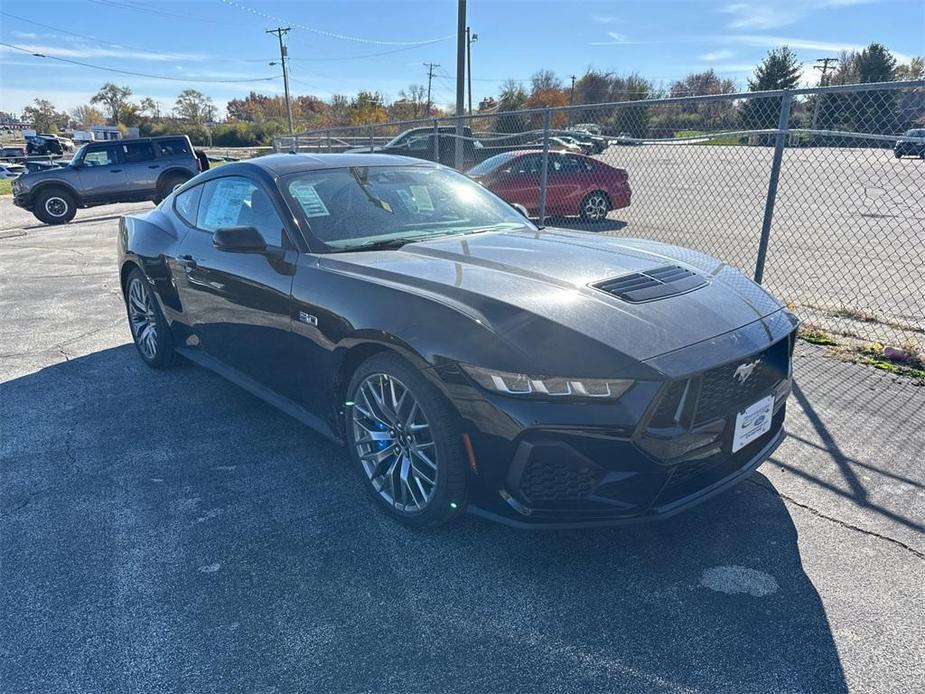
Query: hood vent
point(653, 284)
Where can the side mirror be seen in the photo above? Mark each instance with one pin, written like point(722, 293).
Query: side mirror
point(240, 239)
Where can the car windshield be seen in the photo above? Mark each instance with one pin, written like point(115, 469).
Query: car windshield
point(350, 208)
point(79, 154)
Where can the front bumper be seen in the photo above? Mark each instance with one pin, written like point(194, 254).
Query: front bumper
point(662, 448)
point(23, 200)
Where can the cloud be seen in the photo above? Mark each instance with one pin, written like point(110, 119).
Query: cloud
point(77, 52)
point(763, 16)
point(25, 35)
point(602, 19)
point(712, 56)
point(762, 41)
point(616, 39)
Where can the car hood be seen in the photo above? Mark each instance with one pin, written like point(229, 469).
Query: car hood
point(516, 283)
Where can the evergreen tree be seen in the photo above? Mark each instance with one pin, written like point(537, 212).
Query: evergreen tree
point(779, 70)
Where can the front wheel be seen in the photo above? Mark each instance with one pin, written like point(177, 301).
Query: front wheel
point(54, 207)
point(405, 440)
point(595, 206)
point(149, 329)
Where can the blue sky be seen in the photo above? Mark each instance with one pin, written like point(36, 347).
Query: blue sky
point(341, 47)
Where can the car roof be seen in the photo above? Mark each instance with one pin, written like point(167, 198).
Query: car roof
point(281, 164)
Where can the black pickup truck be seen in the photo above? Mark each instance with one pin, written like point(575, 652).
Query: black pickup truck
point(425, 143)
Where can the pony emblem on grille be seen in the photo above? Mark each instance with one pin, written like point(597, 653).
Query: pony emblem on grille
point(745, 371)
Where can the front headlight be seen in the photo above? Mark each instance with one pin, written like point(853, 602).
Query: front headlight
point(546, 387)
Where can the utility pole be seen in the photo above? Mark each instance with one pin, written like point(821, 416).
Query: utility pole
point(470, 39)
point(823, 82)
point(460, 80)
point(283, 58)
point(571, 97)
point(430, 76)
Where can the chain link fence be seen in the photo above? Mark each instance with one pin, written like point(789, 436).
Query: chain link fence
point(819, 194)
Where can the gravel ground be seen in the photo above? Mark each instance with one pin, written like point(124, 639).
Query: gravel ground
point(166, 531)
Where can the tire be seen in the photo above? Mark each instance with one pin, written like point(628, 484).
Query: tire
point(595, 206)
point(150, 332)
point(897, 155)
point(413, 464)
point(167, 186)
point(54, 206)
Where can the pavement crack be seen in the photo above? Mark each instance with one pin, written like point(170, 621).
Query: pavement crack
point(838, 521)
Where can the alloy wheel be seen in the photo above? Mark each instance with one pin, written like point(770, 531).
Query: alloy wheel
point(595, 208)
point(394, 442)
point(56, 207)
point(142, 318)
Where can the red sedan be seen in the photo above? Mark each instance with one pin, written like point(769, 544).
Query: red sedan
point(575, 184)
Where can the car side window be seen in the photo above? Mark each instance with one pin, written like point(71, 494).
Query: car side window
point(421, 144)
point(529, 165)
point(173, 148)
point(104, 156)
point(575, 164)
point(186, 204)
point(137, 152)
point(234, 201)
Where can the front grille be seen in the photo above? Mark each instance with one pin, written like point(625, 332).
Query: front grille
point(721, 390)
point(553, 480)
point(658, 283)
point(717, 392)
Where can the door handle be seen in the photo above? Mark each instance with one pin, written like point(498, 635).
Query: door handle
point(187, 261)
point(154, 166)
point(115, 170)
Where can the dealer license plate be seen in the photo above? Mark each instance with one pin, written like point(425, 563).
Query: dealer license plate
point(753, 422)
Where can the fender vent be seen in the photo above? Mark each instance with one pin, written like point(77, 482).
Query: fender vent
point(652, 284)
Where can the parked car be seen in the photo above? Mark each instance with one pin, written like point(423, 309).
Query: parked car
point(106, 172)
point(585, 145)
point(556, 143)
point(48, 144)
point(598, 142)
point(575, 184)
point(420, 143)
point(11, 170)
point(907, 148)
point(465, 357)
point(14, 152)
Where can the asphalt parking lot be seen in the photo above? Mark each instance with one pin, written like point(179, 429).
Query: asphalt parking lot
point(166, 531)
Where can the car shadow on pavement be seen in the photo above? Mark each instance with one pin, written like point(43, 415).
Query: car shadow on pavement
point(168, 531)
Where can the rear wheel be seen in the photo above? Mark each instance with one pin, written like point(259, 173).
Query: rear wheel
point(595, 206)
point(54, 206)
point(149, 329)
point(405, 440)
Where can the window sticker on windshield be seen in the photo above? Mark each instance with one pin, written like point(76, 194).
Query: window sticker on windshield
point(407, 200)
point(311, 202)
point(422, 198)
point(225, 205)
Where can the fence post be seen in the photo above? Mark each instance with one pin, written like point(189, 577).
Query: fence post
point(370, 138)
point(436, 141)
point(780, 142)
point(328, 133)
point(544, 171)
point(458, 159)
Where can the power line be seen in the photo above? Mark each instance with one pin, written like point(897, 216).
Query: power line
point(824, 69)
point(331, 34)
point(202, 80)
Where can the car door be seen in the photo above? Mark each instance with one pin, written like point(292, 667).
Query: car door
point(237, 304)
point(101, 174)
point(568, 181)
point(520, 182)
point(141, 169)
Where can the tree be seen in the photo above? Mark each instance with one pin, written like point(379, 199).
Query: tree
point(366, 107)
point(150, 107)
point(194, 106)
point(114, 98)
point(544, 81)
point(87, 116)
point(415, 96)
point(711, 115)
point(512, 97)
point(779, 70)
point(865, 112)
point(43, 116)
point(915, 70)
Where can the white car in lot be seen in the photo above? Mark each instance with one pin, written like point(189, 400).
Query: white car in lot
point(11, 170)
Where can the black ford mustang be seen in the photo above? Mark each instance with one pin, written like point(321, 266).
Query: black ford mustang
point(465, 357)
